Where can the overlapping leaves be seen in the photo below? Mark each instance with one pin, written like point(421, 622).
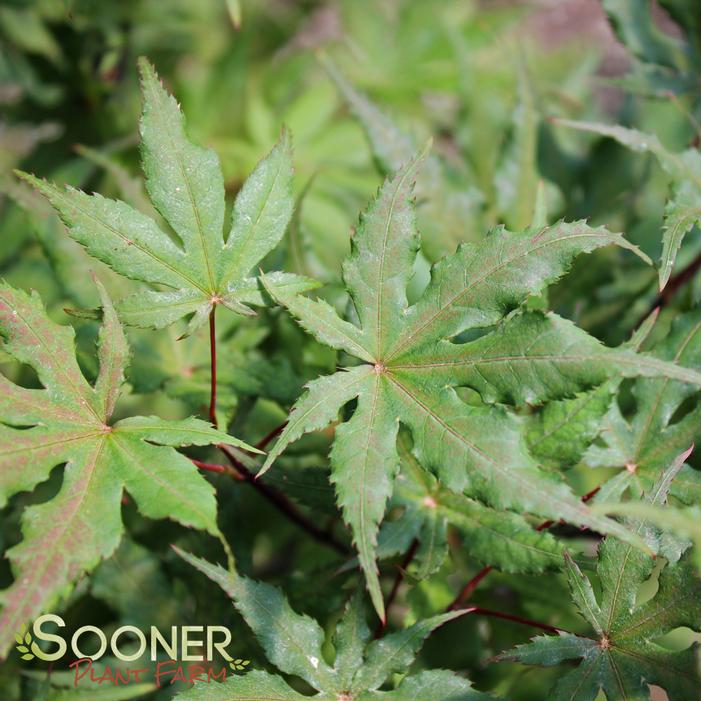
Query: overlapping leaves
point(683, 209)
point(69, 421)
point(412, 361)
point(623, 657)
point(661, 63)
point(641, 445)
point(502, 539)
point(294, 644)
point(194, 269)
point(559, 434)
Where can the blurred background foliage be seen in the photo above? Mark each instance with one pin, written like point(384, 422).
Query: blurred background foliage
point(483, 80)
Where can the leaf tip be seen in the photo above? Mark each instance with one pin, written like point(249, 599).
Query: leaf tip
point(426, 149)
point(30, 179)
point(266, 466)
point(146, 68)
point(664, 275)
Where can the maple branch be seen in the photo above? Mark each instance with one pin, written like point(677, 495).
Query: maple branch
point(549, 524)
point(213, 467)
point(273, 434)
point(516, 619)
point(213, 365)
point(398, 579)
point(283, 504)
point(467, 591)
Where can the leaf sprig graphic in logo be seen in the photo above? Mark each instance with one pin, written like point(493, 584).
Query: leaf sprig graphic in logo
point(239, 665)
point(24, 641)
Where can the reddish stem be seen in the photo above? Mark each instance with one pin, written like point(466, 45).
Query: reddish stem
point(467, 591)
point(283, 504)
point(273, 434)
point(241, 473)
point(398, 579)
point(213, 365)
point(213, 467)
point(549, 524)
point(516, 619)
point(679, 280)
point(674, 284)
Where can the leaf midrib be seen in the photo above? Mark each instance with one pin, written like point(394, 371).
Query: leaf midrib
point(381, 275)
point(403, 342)
point(656, 613)
point(654, 662)
point(193, 204)
point(63, 441)
point(569, 416)
point(663, 386)
point(38, 574)
point(155, 477)
point(557, 557)
point(384, 662)
point(57, 367)
point(620, 359)
point(277, 623)
point(244, 245)
point(364, 550)
point(136, 244)
point(507, 475)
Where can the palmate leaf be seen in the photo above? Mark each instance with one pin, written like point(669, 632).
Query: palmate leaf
point(684, 523)
point(501, 539)
point(412, 366)
point(560, 433)
point(642, 445)
point(199, 270)
point(683, 209)
point(623, 658)
point(293, 643)
point(69, 421)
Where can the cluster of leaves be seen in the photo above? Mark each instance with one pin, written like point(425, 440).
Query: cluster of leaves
point(434, 392)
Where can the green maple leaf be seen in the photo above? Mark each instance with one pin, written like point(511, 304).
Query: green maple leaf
point(501, 539)
point(560, 433)
point(622, 658)
point(69, 421)
point(294, 642)
point(642, 445)
point(683, 208)
point(411, 366)
point(195, 270)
